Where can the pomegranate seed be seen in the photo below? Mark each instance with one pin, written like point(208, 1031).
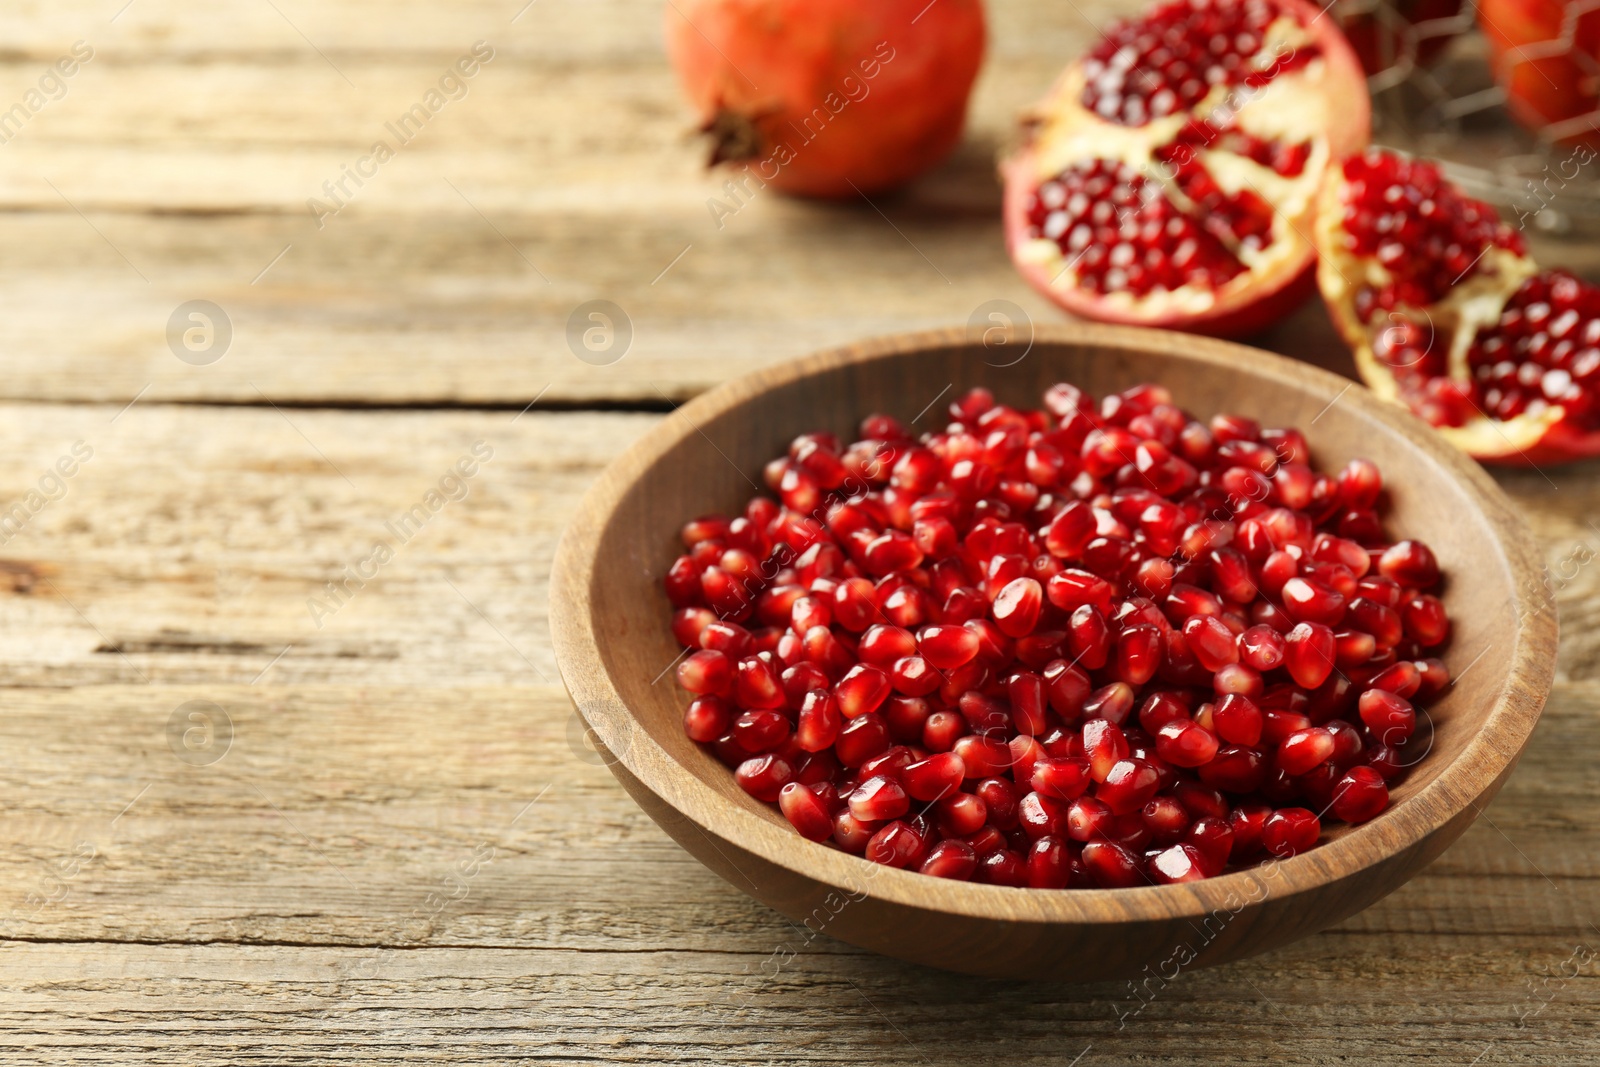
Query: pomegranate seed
point(1290, 831)
point(707, 718)
point(1025, 691)
point(1050, 864)
point(1184, 744)
point(947, 647)
point(1359, 484)
point(1212, 837)
point(1087, 819)
point(1040, 815)
point(1111, 866)
point(1307, 601)
point(879, 799)
point(1402, 679)
point(1128, 784)
point(1235, 679)
point(896, 845)
point(1139, 654)
point(1425, 620)
point(1180, 863)
point(1003, 867)
point(706, 673)
point(1072, 589)
point(1237, 720)
point(1016, 609)
point(938, 775)
point(942, 730)
point(1304, 749)
point(1165, 819)
point(1062, 777)
point(1359, 795)
point(1212, 643)
point(1199, 801)
point(1410, 564)
point(1391, 718)
point(962, 814)
point(850, 834)
point(760, 731)
point(882, 645)
point(1235, 769)
point(806, 810)
point(1104, 744)
point(1066, 688)
point(861, 739)
point(764, 777)
point(863, 689)
point(1160, 708)
point(1352, 648)
point(1309, 651)
point(1113, 703)
point(1088, 638)
point(983, 757)
point(951, 859)
point(1261, 648)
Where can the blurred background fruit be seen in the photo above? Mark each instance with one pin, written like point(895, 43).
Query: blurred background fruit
point(1546, 56)
point(1396, 35)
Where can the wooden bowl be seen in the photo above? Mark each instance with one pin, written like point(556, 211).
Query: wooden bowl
point(610, 625)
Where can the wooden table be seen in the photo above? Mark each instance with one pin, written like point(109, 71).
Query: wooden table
point(383, 839)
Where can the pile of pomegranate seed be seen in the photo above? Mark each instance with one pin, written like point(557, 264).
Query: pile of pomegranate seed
point(1094, 645)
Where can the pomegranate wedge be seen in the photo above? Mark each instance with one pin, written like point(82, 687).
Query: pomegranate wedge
point(1170, 177)
point(1448, 315)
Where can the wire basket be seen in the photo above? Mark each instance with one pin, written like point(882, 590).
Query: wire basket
point(1435, 96)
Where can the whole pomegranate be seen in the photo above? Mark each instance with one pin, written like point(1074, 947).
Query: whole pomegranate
point(1550, 69)
point(828, 98)
point(1448, 315)
point(1170, 177)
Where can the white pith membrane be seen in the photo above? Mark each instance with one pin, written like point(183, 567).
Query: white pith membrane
point(1293, 107)
point(1475, 303)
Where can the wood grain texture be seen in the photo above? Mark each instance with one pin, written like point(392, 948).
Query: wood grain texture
point(179, 163)
point(216, 923)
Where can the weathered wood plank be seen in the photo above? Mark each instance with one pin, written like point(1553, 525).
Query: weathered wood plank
point(336, 811)
point(562, 177)
point(189, 546)
point(352, 880)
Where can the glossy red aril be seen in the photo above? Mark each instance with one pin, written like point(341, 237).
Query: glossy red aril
point(1359, 795)
point(1304, 749)
point(1448, 315)
point(806, 809)
point(1045, 649)
point(878, 799)
point(1290, 831)
point(1180, 863)
point(1169, 178)
point(951, 859)
point(938, 775)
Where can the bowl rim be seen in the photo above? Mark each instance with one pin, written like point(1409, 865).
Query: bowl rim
point(1486, 758)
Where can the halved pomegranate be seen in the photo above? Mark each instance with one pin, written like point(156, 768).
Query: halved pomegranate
point(1170, 177)
point(1448, 315)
